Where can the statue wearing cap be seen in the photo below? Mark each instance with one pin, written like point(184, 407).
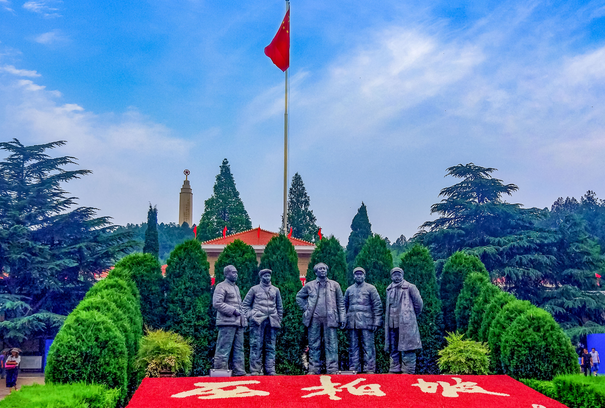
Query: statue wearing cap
point(230, 322)
point(324, 311)
point(364, 316)
point(264, 310)
point(402, 337)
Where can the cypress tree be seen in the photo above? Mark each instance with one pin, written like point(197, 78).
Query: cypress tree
point(455, 271)
point(330, 252)
point(300, 217)
point(361, 230)
point(146, 272)
point(493, 308)
point(152, 240)
point(243, 257)
point(224, 209)
point(471, 289)
point(188, 301)
point(488, 292)
point(281, 258)
point(377, 261)
point(419, 269)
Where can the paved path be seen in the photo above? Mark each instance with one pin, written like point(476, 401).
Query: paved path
point(23, 379)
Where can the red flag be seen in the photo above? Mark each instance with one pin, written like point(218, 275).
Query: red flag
point(319, 233)
point(225, 231)
point(279, 49)
point(597, 275)
point(258, 233)
point(290, 233)
point(195, 230)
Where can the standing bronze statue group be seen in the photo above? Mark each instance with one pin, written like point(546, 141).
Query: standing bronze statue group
point(325, 310)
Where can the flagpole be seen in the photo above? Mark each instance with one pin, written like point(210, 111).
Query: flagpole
point(285, 226)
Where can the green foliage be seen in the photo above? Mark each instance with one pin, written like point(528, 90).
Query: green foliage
point(169, 235)
point(501, 323)
point(543, 387)
point(223, 208)
point(49, 249)
point(578, 333)
point(330, 252)
point(291, 339)
point(471, 289)
point(20, 324)
point(163, 350)
point(486, 295)
point(493, 308)
point(300, 217)
point(377, 261)
point(146, 272)
point(455, 271)
point(361, 230)
point(534, 346)
point(419, 269)
point(466, 357)
point(280, 256)
point(188, 301)
point(78, 395)
point(243, 257)
point(88, 348)
point(578, 391)
point(152, 241)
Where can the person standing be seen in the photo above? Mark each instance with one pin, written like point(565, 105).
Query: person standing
point(586, 362)
point(402, 337)
point(596, 360)
point(324, 311)
point(264, 310)
point(231, 324)
point(12, 369)
point(364, 316)
point(2, 358)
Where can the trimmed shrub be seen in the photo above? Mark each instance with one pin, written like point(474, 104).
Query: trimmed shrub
point(146, 272)
point(330, 252)
point(455, 271)
point(534, 346)
point(77, 395)
point(493, 308)
point(577, 391)
point(488, 292)
point(466, 357)
point(377, 261)
point(88, 348)
point(471, 289)
point(499, 326)
point(163, 350)
point(188, 301)
point(419, 269)
point(543, 387)
point(243, 257)
point(280, 256)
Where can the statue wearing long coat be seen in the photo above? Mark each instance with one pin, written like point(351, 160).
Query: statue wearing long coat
point(411, 306)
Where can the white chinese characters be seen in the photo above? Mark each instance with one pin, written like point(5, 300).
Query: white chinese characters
point(330, 388)
point(216, 390)
point(452, 390)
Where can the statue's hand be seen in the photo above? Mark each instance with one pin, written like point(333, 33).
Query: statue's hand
point(236, 313)
point(343, 325)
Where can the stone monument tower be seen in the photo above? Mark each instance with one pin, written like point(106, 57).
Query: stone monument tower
point(186, 202)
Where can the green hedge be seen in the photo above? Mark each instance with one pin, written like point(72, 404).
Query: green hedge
point(578, 391)
point(88, 348)
point(535, 346)
point(493, 308)
point(77, 395)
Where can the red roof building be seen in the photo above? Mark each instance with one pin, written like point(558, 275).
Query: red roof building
point(258, 239)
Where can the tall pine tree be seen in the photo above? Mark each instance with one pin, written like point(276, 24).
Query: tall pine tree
point(361, 230)
point(300, 217)
point(224, 209)
point(152, 241)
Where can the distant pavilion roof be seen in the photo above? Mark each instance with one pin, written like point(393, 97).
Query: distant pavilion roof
point(254, 237)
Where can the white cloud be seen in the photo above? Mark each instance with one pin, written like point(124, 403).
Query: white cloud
point(51, 37)
point(19, 72)
point(6, 5)
point(43, 8)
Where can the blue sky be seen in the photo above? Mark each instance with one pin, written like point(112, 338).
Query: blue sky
point(384, 97)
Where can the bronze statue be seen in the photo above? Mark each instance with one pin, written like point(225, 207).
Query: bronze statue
point(364, 316)
point(402, 337)
point(324, 311)
point(264, 310)
point(230, 321)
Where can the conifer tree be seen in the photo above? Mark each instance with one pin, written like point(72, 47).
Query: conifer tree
point(471, 289)
point(361, 230)
point(152, 241)
point(455, 271)
point(330, 252)
point(243, 257)
point(501, 323)
point(188, 301)
point(300, 217)
point(377, 261)
point(224, 209)
point(419, 269)
point(488, 292)
point(491, 312)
